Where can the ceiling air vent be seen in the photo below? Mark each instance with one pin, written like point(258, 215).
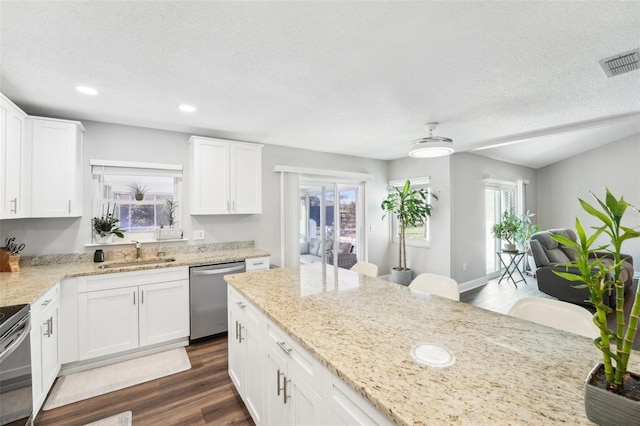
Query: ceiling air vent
point(621, 64)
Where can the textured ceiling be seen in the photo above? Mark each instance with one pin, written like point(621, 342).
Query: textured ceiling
point(357, 78)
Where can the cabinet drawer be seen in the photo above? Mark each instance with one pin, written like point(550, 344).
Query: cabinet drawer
point(249, 311)
point(51, 297)
point(304, 364)
point(133, 278)
point(257, 263)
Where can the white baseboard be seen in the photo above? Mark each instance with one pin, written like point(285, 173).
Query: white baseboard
point(470, 285)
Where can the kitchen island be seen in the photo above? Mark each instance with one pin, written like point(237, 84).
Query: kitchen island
point(506, 370)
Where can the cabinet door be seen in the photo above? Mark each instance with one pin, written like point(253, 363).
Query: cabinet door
point(255, 361)
point(246, 178)
point(108, 322)
point(164, 312)
point(56, 179)
point(278, 413)
point(237, 354)
point(209, 176)
point(50, 339)
point(306, 405)
point(13, 162)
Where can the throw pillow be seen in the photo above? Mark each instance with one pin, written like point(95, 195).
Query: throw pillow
point(304, 247)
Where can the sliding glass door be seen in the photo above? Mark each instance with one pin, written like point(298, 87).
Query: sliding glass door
point(498, 199)
point(330, 222)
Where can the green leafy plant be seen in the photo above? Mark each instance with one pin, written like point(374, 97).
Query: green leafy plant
point(599, 277)
point(410, 208)
point(507, 229)
point(138, 190)
point(526, 230)
point(107, 224)
point(170, 207)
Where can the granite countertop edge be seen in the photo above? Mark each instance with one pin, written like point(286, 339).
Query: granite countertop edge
point(31, 282)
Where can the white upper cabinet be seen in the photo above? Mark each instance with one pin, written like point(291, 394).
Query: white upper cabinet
point(226, 177)
point(14, 161)
point(56, 186)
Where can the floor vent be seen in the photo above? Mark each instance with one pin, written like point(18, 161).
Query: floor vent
point(621, 64)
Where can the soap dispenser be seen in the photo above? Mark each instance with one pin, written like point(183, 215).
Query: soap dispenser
point(98, 256)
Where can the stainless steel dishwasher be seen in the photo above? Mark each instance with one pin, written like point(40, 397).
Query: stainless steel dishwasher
point(208, 296)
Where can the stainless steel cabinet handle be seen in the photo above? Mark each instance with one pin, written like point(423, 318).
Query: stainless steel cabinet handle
point(285, 397)
point(49, 330)
point(279, 374)
point(134, 297)
point(46, 302)
point(69, 206)
point(236, 330)
point(142, 297)
point(15, 205)
point(51, 325)
point(242, 305)
point(284, 347)
point(240, 333)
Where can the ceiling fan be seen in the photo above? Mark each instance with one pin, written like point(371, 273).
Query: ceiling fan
point(431, 146)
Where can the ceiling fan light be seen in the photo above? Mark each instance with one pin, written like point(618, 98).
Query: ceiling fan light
point(430, 149)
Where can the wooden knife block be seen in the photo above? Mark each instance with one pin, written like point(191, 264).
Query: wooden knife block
point(9, 262)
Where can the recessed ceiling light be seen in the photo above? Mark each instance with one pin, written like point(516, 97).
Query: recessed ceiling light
point(187, 108)
point(86, 90)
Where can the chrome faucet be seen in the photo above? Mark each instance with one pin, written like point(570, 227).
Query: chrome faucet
point(138, 248)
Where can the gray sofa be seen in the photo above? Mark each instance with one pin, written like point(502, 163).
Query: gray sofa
point(549, 255)
point(311, 252)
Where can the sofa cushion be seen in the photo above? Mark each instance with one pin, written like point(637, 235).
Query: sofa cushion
point(345, 248)
point(304, 247)
point(556, 255)
point(315, 248)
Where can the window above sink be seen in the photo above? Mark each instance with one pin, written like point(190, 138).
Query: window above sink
point(140, 195)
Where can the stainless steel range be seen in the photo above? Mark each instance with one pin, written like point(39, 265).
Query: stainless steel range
point(15, 365)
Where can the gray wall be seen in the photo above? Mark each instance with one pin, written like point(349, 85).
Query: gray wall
point(468, 209)
point(615, 165)
point(127, 143)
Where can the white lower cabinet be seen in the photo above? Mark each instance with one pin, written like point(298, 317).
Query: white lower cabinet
point(246, 354)
point(45, 361)
point(280, 382)
point(123, 311)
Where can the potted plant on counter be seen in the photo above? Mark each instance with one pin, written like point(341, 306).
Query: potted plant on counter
point(410, 208)
point(106, 226)
point(612, 394)
point(507, 230)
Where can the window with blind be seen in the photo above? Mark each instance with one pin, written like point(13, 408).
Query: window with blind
point(115, 184)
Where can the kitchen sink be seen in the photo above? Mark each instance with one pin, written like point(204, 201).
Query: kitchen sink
point(137, 263)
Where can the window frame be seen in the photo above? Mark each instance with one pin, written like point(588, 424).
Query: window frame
point(102, 168)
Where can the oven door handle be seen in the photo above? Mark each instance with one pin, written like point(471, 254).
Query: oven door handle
point(25, 327)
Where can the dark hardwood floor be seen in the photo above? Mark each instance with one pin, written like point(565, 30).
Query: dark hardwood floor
point(202, 395)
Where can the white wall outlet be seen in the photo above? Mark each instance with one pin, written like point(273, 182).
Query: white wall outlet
point(198, 234)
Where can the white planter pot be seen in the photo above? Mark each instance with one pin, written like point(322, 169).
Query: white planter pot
point(107, 239)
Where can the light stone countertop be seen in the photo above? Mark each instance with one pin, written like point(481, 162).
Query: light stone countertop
point(507, 371)
point(31, 282)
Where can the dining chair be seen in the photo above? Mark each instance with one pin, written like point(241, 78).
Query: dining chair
point(557, 314)
point(366, 268)
point(436, 284)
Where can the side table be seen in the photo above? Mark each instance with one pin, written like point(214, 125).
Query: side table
point(511, 268)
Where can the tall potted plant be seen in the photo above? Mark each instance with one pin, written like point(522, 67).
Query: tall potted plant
point(608, 391)
point(410, 208)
